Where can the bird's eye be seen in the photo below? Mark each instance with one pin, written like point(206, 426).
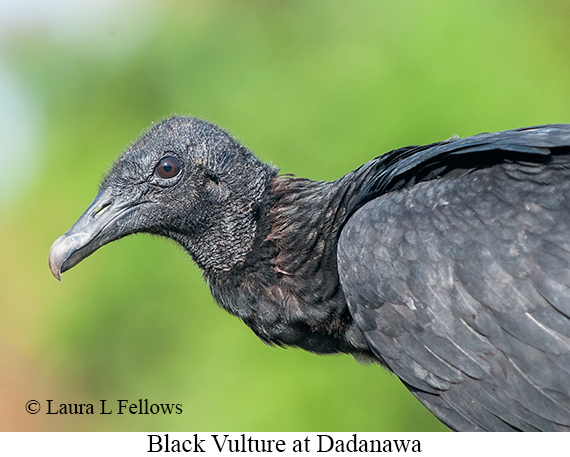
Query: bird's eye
point(168, 167)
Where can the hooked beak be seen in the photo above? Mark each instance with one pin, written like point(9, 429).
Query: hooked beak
point(102, 222)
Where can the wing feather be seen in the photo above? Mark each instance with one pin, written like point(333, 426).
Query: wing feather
point(461, 284)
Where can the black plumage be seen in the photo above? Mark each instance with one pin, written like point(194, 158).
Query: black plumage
point(447, 263)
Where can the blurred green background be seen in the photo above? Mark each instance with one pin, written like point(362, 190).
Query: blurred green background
point(316, 87)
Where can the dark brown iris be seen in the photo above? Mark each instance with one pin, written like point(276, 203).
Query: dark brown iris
point(168, 167)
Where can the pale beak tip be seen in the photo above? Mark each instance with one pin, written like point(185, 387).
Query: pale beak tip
point(56, 274)
point(55, 259)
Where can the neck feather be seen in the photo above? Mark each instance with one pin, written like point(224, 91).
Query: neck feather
point(287, 289)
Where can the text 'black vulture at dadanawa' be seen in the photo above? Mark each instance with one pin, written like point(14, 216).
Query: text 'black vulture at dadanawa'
point(449, 263)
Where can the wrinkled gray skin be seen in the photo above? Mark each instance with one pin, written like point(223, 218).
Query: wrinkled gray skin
point(238, 221)
point(205, 207)
point(447, 263)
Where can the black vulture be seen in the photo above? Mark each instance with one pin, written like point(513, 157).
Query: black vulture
point(448, 263)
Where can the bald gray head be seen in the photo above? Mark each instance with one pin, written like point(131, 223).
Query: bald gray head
point(184, 179)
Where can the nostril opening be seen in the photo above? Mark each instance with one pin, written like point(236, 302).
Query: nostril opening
point(101, 209)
